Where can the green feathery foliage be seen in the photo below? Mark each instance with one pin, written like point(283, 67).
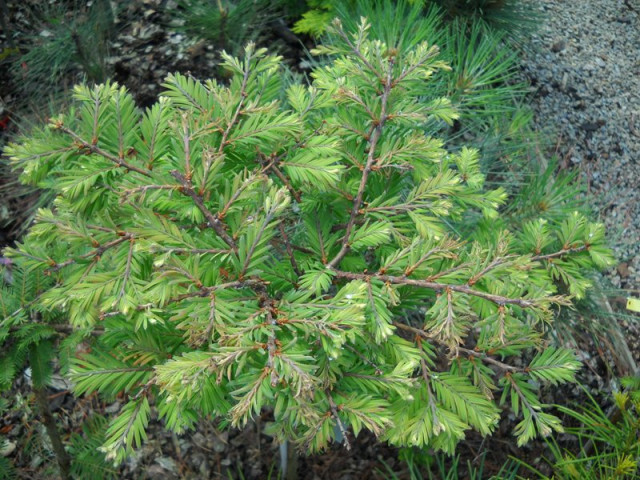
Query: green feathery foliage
point(235, 253)
point(29, 336)
point(481, 83)
point(88, 460)
point(513, 17)
point(228, 24)
point(317, 19)
point(7, 471)
point(510, 16)
point(65, 35)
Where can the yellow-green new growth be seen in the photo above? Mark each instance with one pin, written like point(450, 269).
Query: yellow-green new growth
point(236, 252)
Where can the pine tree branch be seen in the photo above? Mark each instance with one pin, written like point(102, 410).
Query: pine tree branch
point(245, 403)
point(358, 53)
point(505, 260)
point(364, 360)
point(432, 52)
point(190, 251)
point(294, 193)
point(482, 356)
point(206, 291)
point(182, 271)
point(412, 268)
point(432, 401)
point(98, 151)
point(438, 287)
point(306, 250)
point(371, 157)
point(236, 194)
point(62, 329)
point(443, 273)
point(334, 414)
point(269, 216)
point(127, 270)
point(343, 92)
point(186, 143)
point(271, 347)
point(145, 188)
point(122, 439)
point(98, 252)
point(561, 253)
point(287, 245)
point(232, 123)
point(214, 222)
point(487, 359)
point(212, 318)
point(521, 395)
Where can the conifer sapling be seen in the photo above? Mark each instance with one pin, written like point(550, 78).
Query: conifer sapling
point(247, 247)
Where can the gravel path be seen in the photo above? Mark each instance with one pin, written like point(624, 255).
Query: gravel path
point(585, 69)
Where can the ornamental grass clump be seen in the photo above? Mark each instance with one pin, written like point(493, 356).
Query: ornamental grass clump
point(242, 248)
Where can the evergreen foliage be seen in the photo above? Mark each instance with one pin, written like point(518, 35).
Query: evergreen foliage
point(228, 24)
point(513, 17)
point(234, 251)
point(481, 84)
point(66, 34)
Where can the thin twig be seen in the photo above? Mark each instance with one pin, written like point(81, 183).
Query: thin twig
point(236, 194)
point(334, 413)
point(127, 270)
point(268, 217)
point(97, 150)
point(371, 157)
point(438, 287)
point(487, 359)
point(62, 329)
point(294, 193)
point(192, 251)
point(272, 349)
point(560, 253)
point(292, 258)
point(186, 141)
point(358, 53)
point(99, 251)
point(206, 291)
point(214, 221)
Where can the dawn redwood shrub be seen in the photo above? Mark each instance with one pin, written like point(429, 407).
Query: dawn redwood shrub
point(304, 251)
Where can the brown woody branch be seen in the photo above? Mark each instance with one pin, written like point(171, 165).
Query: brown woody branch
point(62, 329)
point(213, 220)
point(561, 253)
point(334, 414)
point(357, 52)
point(501, 261)
point(472, 353)
point(287, 245)
point(192, 251)
point(98, 151)
point(294, 193)
point(438, 287)
point(206, 291)
point(371, 157)
point(487, 359)
point(99, 251)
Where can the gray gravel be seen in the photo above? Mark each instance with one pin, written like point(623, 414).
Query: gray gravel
point(584, 65)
